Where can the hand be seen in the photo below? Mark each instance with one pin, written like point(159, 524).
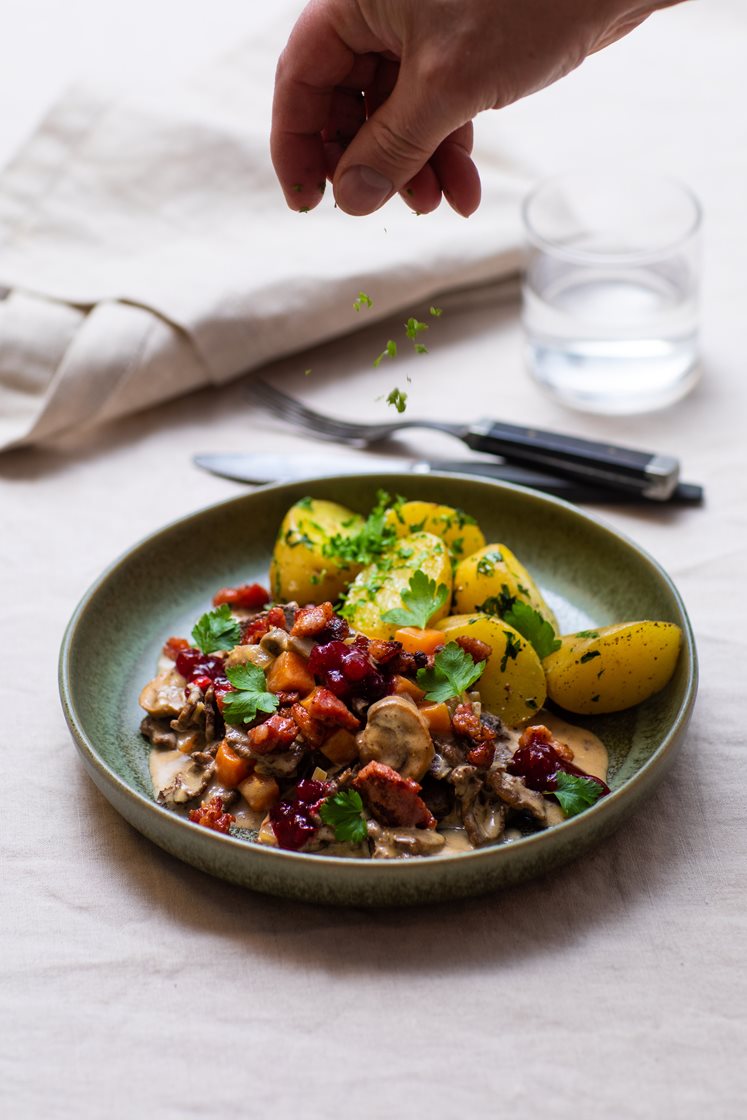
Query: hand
point(379, 95)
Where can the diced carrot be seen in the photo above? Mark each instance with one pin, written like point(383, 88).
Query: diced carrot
point(230, 768)
point(415, 640)
point(289, 673)
point(438, 717)
point(259, 791)
point(340, 748)
point(403, 686)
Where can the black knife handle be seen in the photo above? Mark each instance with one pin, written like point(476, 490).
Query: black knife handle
point(570, 489)
point(624, 468)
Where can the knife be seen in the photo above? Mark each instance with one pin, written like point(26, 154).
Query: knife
point(261, 468)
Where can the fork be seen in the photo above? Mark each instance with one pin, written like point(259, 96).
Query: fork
point(644, 472)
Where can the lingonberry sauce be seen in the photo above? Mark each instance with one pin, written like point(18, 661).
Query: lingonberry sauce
point(291, 819)
point(538, 764)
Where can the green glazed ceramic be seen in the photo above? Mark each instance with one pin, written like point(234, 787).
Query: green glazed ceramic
point(590, 575)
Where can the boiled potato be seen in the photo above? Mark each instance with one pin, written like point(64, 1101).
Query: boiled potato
point(299, 570)
point(378, 588)
point(612, 668)
point(513, 682)
point(457, 530)
point(489, 578)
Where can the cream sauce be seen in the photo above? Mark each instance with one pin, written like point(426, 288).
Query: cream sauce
point(589, 752)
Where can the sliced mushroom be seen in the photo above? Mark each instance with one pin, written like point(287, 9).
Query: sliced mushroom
point(516, 795)
point(397, 735)
point(164, 695)
point(394, 843)
point(176, 778)
point(274, 641)
point(258, 656)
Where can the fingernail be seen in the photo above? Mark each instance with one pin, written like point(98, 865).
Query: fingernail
point(361, 190)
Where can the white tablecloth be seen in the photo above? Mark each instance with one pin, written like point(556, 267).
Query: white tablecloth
point(133, 985)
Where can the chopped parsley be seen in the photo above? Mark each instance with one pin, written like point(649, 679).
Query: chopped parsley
point(498, 604)
point(588, 634)
point(453, 672)
point(575, 793)
point(343, 812)
point(589, 656)
point(436, 312)
point(420, 348)
point(374, 538)
point(512, 650)
point(362, 301)
point(413, 327)
point(398, 399)
point(251, 694)
point(532, 626)
point(216, 629)
point(421, 601)
point(389, 351)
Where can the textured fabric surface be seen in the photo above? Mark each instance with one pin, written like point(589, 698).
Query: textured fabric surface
point(131, 985)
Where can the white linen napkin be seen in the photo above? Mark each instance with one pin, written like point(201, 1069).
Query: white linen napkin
point(146, 249)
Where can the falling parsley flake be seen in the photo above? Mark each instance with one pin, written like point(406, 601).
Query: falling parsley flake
point(398, 399)
point(421, 601)
point(575, 792)
point(413, 327)
point(453, 672)
point(343, 812)
point(251, 695)
point(390, 351)
point(216, 629)
point(436, 312)
point(362, 301)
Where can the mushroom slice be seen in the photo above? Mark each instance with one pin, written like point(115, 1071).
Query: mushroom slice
point(397, 735)
point(177, 778)
point(164, 695)
point(394, 843)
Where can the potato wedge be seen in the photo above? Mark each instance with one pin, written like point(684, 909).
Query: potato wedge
point(299, 570)
point(612, 668)
point(513, 682)
point(460, 532)
point(489, 578)
point(378, 588)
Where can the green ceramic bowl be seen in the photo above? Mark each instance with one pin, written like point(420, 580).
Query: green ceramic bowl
point(591, 576)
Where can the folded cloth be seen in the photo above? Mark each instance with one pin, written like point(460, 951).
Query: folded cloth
point(146, 250)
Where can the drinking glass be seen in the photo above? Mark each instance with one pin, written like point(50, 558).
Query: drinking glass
point(610, 291)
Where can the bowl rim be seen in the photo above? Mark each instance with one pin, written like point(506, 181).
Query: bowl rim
point(260, 853)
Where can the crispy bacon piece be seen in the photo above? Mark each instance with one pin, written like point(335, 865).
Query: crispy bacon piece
point(466, 722)
point(405, 664)
point(249, 596)
point(172, 647)
point(276, 733)
point(478, 651)
point(312, 730)
point(538, 733)
point(324, 706)
point(383, 651)
point(212, 816)
point(256, 628)
point(311, 621)
point(392, 799)
point(288, 698)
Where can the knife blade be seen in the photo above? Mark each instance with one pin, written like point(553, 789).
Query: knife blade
point(261, 468)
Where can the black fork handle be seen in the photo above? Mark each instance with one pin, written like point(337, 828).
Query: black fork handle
point(642, 472)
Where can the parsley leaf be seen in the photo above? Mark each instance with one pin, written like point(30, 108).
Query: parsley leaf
point(343, 812)
point(436, 312)
point(398, 399)
point(532, 626)
point(575, 793)
point(216, 629)
point(421, 600)
point(453, 672)
point(389, 352)
point(362, 301)
point(251, 695)
point(512, 650)
point(413, 327)
point(374, 538)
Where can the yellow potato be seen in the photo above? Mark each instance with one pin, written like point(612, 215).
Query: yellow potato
point(612, 668)
point(513, 682)
point(378, 588)
point(299, 570)
point(457, 529)
point(489, 578)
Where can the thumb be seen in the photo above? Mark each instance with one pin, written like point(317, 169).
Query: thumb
point(388, 150)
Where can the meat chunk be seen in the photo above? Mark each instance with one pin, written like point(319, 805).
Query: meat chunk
point(539, 734)
point(276, 733)
point(512, 791)
point(212, 816)
point(478, 651)
point(391, 799)
point(323, 706)
point(467, 722)
point(397, 735)
point(311, 621)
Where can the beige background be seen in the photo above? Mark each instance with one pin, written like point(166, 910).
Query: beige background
point(135, 986)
